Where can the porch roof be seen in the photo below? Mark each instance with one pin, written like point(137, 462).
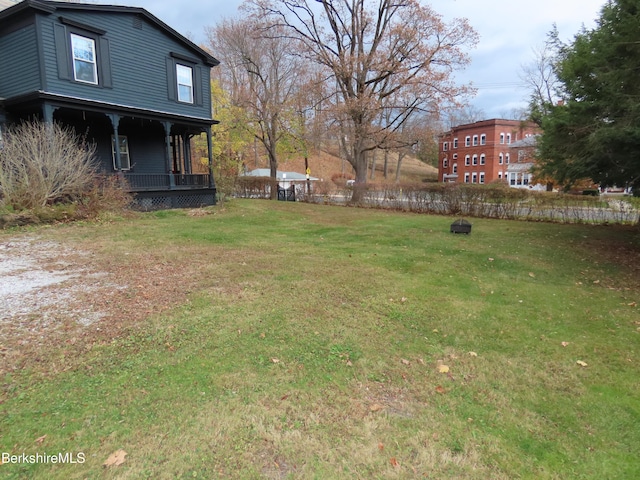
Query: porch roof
point(40, 97)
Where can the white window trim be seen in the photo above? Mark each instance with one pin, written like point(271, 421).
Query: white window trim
point(94, 63)
point(483, 139)
point(184, 68)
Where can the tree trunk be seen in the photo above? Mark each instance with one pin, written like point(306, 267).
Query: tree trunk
point(373, 165)
point(386, 163)
point(359, 163)
point(400, 157)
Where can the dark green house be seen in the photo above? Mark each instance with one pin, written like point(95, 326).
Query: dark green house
point(120, 77)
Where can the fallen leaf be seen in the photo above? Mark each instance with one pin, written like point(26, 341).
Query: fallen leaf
point(440, 389)
point(405, 362)
point(262, 335)
point(380, 446)
point(473, 354)
point(596, 281)
point(632, 304)
point(443, 368)
point(376, 407)
point(275, 360)
point(564, 344)
point(581, 363)
point(115, 459)
point(394, 462)
point(349, 364)
point(421, 361)
point(403, 299)
point(39, 440)
point(532, 275)
point(490, 259)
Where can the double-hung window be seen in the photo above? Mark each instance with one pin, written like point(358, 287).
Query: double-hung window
point(84, 59)
point(184, 76)
point(125, 158)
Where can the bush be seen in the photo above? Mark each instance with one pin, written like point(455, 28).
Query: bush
point(43, 164)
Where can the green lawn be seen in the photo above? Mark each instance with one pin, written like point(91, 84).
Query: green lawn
point(316, 344)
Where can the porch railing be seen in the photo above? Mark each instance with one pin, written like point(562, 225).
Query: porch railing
point(166, 181)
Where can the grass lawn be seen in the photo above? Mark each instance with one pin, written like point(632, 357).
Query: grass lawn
point(331, 342)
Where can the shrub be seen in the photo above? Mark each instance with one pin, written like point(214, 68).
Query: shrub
point(42, 164)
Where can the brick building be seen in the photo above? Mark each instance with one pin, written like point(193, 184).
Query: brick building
point(480, 152)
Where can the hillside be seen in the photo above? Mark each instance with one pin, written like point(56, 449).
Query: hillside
point(324, 165)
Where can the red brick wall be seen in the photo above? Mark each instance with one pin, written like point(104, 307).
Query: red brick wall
point(492, 129)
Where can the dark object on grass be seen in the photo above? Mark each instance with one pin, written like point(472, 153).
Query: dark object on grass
point(461, 226)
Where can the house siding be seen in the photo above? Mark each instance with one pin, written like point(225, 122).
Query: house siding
point(135, 48)
point(19, 74)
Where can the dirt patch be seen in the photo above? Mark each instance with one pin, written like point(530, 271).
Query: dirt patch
point(58, 300)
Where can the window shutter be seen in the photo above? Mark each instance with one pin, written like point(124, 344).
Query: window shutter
point(62, 52)
point(105, 63)
point(171, 80)
point(197, 73)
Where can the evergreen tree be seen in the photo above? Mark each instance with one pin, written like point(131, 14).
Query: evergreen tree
point(594, 131)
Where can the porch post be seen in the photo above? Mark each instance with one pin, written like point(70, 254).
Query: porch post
point(210, 157)
point(186, 142)
point(167, 153)
point(47, 112)
point(115, 144)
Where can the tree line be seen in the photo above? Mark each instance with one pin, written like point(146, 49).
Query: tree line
point(360, 75)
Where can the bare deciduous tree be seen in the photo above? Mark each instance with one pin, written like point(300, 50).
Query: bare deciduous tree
point(260, 72)
point(540, 77)
point(375, 51)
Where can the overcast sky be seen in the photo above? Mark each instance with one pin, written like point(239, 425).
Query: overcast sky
point(509, 31)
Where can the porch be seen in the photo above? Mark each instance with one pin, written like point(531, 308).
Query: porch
point(148, 182)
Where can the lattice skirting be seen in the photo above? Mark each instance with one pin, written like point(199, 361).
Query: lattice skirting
point(178, 199)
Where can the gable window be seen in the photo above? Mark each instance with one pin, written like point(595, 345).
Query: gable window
point(184, 76)
point(125, 158)
point(84, 59)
